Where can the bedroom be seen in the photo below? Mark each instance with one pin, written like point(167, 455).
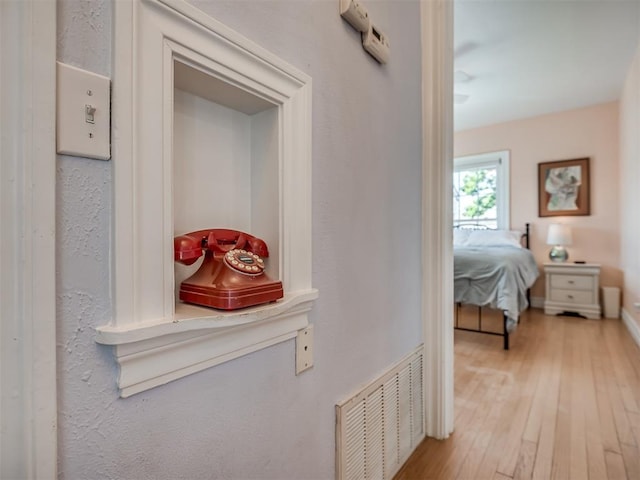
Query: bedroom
point(569, 119)
point(498, 439)
point(545, 409)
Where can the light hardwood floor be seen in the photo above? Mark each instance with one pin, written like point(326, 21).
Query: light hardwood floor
point(562, 403)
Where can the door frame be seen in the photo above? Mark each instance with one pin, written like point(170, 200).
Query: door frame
point(27, 239)
point(437, 213)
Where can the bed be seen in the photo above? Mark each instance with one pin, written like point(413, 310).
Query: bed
point(493, 269)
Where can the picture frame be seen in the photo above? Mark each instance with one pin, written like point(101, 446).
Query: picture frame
point(563, 188)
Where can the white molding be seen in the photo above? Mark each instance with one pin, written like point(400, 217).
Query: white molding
point(632, 325)
point(149, 35)
point(27, 239)
point(192, 318)
point(437, 206)
point(149, 363)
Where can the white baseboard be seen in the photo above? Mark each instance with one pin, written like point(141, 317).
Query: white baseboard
point(537, 302)
point(632, 325)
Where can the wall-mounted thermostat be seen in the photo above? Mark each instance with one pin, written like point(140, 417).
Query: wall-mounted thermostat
point(376, 43)
point(355, 13)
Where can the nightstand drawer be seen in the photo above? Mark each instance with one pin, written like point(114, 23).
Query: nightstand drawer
point(572, 296)
point(570, 282)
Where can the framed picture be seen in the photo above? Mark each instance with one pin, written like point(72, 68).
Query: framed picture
point(563, 188)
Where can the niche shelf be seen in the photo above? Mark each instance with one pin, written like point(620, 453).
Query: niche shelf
point(209, 131)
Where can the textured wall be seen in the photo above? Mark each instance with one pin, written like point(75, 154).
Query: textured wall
point(586, 132)
point(252, 417)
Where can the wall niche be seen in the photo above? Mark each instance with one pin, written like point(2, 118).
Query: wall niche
point(225, 163)
point(209, 131)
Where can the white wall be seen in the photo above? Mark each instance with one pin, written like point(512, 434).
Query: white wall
point(629, 183)
point(252, 417)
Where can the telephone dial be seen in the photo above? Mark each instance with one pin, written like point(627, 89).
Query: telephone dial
point(232, 274)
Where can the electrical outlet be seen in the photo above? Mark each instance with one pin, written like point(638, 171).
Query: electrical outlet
point(304, 349)
point(637, 306)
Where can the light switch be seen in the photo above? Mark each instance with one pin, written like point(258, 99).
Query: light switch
point(84, 113)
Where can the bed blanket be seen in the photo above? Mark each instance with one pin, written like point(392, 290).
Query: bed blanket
point(494, 276)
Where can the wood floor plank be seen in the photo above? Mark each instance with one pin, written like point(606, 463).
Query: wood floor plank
point(500, 476)
point(517, 407)
point(561, 469)
point(580, 387)
point(509, 450)
point(631, 460)
point(594, 436)
point(624, 374)
point(526, 460)
point(615, 466)
point(621, 421)
point(549, 391)
point(545, 397)
point(417, 466)
point(561, 403)
point(470, 409)
point(474, 427)
point(484, 439)
point(603, 383)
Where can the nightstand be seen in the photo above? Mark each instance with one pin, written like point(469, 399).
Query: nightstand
point(572, 288)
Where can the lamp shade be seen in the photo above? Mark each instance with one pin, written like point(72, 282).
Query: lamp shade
point(559, 234)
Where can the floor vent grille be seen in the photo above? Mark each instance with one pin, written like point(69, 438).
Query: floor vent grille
point(379, 427)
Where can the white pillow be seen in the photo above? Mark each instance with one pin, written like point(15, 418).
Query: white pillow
point(494, 238)
point(460, 236)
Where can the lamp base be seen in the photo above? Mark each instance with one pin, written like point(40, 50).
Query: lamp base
point(558, 254)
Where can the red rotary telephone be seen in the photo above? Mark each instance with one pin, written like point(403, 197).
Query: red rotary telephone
point(232, 274)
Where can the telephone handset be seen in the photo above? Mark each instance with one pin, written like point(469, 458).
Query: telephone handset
point(232, 274)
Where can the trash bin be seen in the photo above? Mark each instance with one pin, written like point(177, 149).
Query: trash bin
point(611, 301)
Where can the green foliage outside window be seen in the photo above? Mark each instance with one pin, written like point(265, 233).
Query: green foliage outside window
point(480, 185)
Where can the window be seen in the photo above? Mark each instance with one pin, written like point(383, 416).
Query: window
point(481, 190)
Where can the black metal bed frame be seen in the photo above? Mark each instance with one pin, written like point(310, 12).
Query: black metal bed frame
point(505, 332)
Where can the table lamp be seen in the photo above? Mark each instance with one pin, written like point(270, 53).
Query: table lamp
point(558, 235)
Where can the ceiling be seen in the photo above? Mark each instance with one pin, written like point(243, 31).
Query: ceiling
point(530, 57)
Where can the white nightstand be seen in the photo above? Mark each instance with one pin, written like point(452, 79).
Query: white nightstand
point(572, 287)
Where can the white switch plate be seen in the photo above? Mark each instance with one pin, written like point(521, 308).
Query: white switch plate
point(637, 306)
point(82, 131)
point(304, 349)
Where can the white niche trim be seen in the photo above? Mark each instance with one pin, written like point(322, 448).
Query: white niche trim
point(156, 338)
